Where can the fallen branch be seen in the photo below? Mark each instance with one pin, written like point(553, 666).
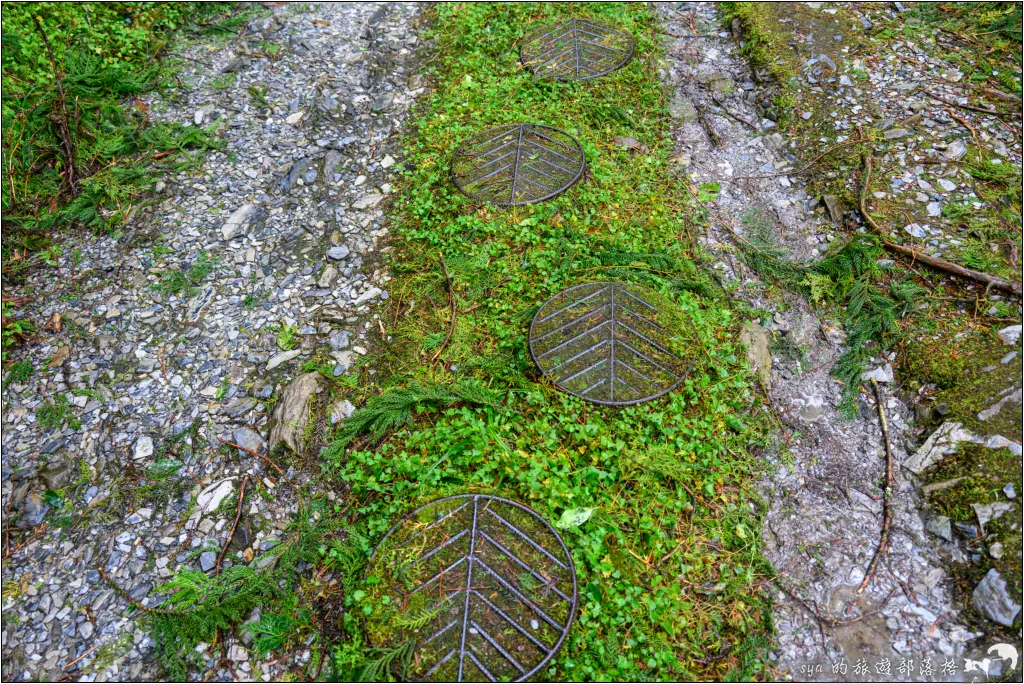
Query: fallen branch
point(990, 281)
point(983, 110)
point(254, 453)
point(234, 526)
point(452, 303)
point(732, 116)
point(890, 482)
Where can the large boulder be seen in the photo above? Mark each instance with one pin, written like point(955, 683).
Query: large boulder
point(292, 414)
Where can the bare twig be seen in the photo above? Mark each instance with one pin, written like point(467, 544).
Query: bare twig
point(828, 620)
point(254, 453)
point(990, 281)
point(732, 116)
point(124, 594)
point(453, 304)
point(64, 120)
point(234, 526)
point(890, 481)
point(983, 110)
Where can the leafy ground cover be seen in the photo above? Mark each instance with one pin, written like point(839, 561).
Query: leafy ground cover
point(657, 500)
point(667, 562)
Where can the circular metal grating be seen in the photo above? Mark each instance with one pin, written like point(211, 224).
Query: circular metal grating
point(606, 343)
point(576, 50)
point(477, 588)
point(517, 164)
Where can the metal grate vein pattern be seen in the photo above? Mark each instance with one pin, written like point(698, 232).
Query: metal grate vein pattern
point(483, 587)
point(576, 50)
point(517, 164)
point(603, 342)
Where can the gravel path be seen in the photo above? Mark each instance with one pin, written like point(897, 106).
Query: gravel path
point(111, 448)
point(824, 519)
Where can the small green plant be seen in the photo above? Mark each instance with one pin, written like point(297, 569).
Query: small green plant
point(286, 336)
point(186, 281)
point(51, 415)
point(19, 371)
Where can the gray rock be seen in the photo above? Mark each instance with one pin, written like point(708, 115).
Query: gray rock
point(207, 560)
point(914, 230)
point(237, 222)
point(894, 133)
point(1009, 491)
point(199, 302)
point(880, 374)
point(332, 161)
point(992, 511)
point(282, 357)
point(956, 151)
point(682, 109)
point(383, 101)
point(339, 340)
point(248, 438)
point(368, 202)
point(338, 253)
point(59, 472)
point(812, 408)
point(340, 410)
point(291, 414)
point(991, 599)
point(143, 448)
point(832, 205)
point(1010, 334)
point(327, 278)
point(755, 338)
point(209, 499)
point(33, 510)
point(292, 177)
point(940, 526)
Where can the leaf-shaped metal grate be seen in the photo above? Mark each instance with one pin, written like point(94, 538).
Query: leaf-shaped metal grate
point(604, 343)
point(576, 50)
point(479, 588)
point(517, 164)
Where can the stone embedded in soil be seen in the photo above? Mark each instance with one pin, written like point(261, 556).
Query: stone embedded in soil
point(991, 599)
point(880, 374)
point(992, 511)
point(209, 499)
point(759, 353)
point(248, 438)
point(282, 357)
point(143, 448)
point(944, 441)
point(940, 526)
point(239, 219)
point(340, 410)
point(292, 414)
point(207, 560)
point(1010, 335)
